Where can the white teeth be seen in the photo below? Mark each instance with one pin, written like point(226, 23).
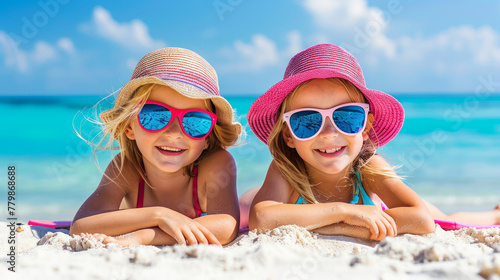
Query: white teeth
point(170, 149)
point(330, 151)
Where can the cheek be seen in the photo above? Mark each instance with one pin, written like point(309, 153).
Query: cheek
point(198, 145)
point(357, 143)
point(302, 147)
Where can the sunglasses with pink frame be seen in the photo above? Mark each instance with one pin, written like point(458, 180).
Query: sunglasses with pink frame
point(195, 123)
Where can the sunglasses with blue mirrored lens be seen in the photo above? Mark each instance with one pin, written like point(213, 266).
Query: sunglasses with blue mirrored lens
point(195, 123)
point(307, 123)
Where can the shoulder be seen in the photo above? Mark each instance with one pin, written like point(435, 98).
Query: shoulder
point(378, 172)
point(218, 166)
point(120, 173)
point(217, 160)
point(275, 186)
point(378, 161)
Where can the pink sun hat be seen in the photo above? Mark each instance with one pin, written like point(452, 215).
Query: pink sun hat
point(321, 62)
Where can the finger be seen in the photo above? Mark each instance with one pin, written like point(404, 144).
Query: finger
point(209, 235)
point(389, 227)
point(190, 238)
point(382, 229)
point(98, 236)
point(108, 240)
point(392, 223)
point(199, 235)
point(179, 237)
point(374, 230)
point(385, 222)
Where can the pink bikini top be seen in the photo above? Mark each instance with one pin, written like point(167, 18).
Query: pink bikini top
point(196, 203)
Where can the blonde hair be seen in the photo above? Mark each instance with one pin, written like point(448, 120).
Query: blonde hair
point(292, 166)
point(116, 120)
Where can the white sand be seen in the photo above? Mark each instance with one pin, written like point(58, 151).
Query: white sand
point(288, 252)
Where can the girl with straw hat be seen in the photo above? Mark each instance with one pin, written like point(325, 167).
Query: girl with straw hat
point(173, 181)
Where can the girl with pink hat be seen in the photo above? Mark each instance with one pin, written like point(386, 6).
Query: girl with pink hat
point(323, 127)
point(173, 128)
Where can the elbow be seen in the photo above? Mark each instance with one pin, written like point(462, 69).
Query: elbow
point(260, 219)
point(75, 228)
point(227, 230)
point(429, 226)
point(427, 223)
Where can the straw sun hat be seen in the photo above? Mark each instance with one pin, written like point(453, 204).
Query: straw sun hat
point(184, 71)
point(321, 62)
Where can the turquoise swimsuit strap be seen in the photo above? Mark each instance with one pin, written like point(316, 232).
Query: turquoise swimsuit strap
point(358, 188)
point(301, 200)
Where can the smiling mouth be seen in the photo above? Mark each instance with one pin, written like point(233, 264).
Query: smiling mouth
point(330, 151)
point(169, 149)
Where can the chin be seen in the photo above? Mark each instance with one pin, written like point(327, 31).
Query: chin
point(171, 168)
point(333, 170)
point(336, 167)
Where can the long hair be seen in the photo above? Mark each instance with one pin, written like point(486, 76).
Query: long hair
point(293, 167)
point(115, 121)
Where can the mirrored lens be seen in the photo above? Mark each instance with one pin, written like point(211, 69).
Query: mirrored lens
point(154, 117)
point(197, 124)
point(349, 119)
point(305, 124)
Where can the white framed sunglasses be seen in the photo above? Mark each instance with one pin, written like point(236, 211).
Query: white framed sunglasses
point(307, 123)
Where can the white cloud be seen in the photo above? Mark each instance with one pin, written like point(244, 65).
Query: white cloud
point(261, 52)
point(67, 45)
point(131, 63)
point(43, 52)
point(449, 60)
point(352, 21)
point(14, 57)
point(295, 43)
point(133, 35)
point(339, 15)
point(455, 51)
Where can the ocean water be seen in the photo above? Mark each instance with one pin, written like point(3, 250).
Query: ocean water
point(448, 151)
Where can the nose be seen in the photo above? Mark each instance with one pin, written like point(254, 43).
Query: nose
point(328, 130)
point(174, 130)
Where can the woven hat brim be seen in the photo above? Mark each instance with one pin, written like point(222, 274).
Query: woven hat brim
point(225, 112)
point(387, 111)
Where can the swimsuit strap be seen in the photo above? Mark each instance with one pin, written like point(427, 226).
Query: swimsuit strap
point(359, 188)
point(140, 194)
point(300, 200)
point(355, 197)
point(196, 202)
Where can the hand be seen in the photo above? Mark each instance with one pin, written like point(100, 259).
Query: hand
point(185, 230)
point(373, 218)
point(128, 240)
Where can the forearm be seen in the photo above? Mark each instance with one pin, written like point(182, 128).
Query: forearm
point(119, 222)
point(151, 236)
point(345, 230)
point(225, 227)
point(414, 220)
point(268, 215)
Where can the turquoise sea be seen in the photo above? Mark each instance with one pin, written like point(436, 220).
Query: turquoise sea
point(448, 149)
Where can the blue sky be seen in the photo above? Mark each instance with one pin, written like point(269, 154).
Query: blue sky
point(67, 47)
